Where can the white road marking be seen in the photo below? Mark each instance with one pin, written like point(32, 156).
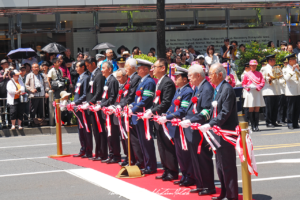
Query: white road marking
point(32, 145)
point(32, 173)
point(16, 159)
point(278, 161)
point(273, 178)
point(272, 154)
point(115, 185)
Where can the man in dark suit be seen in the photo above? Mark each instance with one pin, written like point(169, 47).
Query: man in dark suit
point(144, 100)
point(94, 92)
point(109, 98)
point(178, 110)
point(165, 90)
point(227, 119)
point(128, 98)
point(202, 163)
point(79, 97)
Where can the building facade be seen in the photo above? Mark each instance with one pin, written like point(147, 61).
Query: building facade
point(81, 24)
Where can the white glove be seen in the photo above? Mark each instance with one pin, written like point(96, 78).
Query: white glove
point(129, 112)
point(97, 108)
point(130, 106)
point(252, 86)
point(148, 114)
point(111, 110)
point(162, 120)
point(85, 106)
point(205, 128)
point(118, 106)
point(73, 103)
point(185, 123)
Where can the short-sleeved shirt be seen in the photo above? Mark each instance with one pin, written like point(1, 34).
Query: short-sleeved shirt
point(53, 73)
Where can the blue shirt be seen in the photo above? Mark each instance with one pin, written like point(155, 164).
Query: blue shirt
point(114, 63)
point(218, 87)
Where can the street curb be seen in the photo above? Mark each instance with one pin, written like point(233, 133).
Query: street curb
point(45, 130)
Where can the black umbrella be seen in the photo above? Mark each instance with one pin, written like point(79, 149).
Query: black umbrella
point(54, 48)
point(21, 53)
point(104, 45)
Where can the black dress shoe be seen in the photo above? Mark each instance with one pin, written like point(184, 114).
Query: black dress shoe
point(124, 163)
point(140, 166)
point(96, 159)
point(177, 182)
point(217, 198)
point(296, 126)
point(207, 192)
point(270, 126)
point(290, 127)
point(79, 155)
point(87, 156)
point(170, 177)
point(149, 171)
point(229, 198)
point(196, 190)
point(106, 160)
point(187, 183)
point(276, 125)
point(163, 175)
point(112, 161)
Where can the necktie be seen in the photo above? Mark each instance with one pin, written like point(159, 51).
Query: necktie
point(128, 80)
point(196, 90)
point(105, 81)
point(92, 76)
point(78, 79)
point(215, 94)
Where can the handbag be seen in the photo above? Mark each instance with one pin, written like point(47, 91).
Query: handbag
point(57, 84)
point(24, 98)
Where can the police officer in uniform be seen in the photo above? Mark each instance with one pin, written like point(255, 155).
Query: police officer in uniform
point(144, 100)
point(270, 92)
point(292, 91)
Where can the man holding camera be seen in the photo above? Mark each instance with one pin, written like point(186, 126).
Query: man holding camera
point(36, 85)
point(55, 79)
point(4, 78)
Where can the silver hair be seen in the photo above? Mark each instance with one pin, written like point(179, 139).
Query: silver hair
point(219, 69)
point(122, 70)
point(107, 50)
point(131, 62)
point(109, 65)
point(197, 69)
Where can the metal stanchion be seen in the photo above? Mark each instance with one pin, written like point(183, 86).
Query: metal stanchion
point(247, 187)
point(51, 108)
point(58, 133)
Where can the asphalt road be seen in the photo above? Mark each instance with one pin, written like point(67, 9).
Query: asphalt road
point(27, 173)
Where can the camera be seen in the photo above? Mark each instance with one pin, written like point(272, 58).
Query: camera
point(38, 89)
point(230, 47)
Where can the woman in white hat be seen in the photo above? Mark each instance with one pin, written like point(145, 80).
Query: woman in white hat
point(253, 82)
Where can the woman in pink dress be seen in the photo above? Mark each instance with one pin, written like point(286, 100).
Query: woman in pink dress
point(253, 82)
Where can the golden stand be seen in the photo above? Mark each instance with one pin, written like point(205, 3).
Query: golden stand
point(129, 171)
point(58, 133)
point(247, 187)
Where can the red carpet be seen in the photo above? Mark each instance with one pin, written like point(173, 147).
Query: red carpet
point(166, 189)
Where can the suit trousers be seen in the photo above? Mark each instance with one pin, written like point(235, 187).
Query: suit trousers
point(293, 110)
point(184, 159)
point(114, 140)
point(282, 108)
point(271, 108)
point(167, 152)
point(85, 138)
point(99, 137)
point(36, 108)
point(227, 171)
point(203, 167)
point(147, 146)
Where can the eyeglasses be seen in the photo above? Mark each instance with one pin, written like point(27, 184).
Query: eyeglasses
point(210, 74)
point(154, 66)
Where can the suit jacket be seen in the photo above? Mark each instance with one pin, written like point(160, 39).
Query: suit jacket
point(29, 83)
point(112, 93)
point(227, 112)
point(147, 88)
point(83, 84)
point(184, 96)
point(98, 84)
point(129, 98)
point(205, 96)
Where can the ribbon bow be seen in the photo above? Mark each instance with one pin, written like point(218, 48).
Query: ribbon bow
point(118, 112)
point(70, 107)
point(94, 110)
point(196, 126)
point(175, 122)
point(84, 117)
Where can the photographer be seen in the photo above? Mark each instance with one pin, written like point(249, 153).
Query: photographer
point(55, 79)
point(4, 78)
point(36, 85)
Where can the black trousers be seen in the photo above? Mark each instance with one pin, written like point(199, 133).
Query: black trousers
point(82, 135)
point(293, 110)
point(6, 107)
point(99, 137)
point(167, 152)
point(147, 146)
point(16, 111)
point(227, 171)
point(87, 135)
point(282, 108)
point(114, 140)
point(203, 167)
point(271, 108)
point(36, 107)
point(66, 116)
point(184, 159)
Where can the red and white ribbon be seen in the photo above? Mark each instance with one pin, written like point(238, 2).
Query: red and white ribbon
point(177, 104)
point(78, 88)
point(105, 95)
point(196, 126)
point(126, 117)
point(165, 128)
point(195, 101)
point(56, 116)
point(139, 94)
point(215, 112)
point(107, 119)
point(157, 98)
point(146, 125)
point(70, 107)
point(122, 131)
point(126, 89)
point(94, 110)
point(84, 118)
point(119, 96)
point(252, 168)
point(92, 88)
point(175, 122)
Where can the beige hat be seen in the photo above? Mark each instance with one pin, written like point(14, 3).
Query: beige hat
point(125, 53)
point(63, 94)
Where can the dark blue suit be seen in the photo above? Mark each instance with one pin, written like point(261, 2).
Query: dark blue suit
point(85, 141)
point(147, 88)
point(184, 95)
point(202, 163)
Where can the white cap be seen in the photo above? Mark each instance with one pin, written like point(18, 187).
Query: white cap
point(200, 56)
point(141, 62)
